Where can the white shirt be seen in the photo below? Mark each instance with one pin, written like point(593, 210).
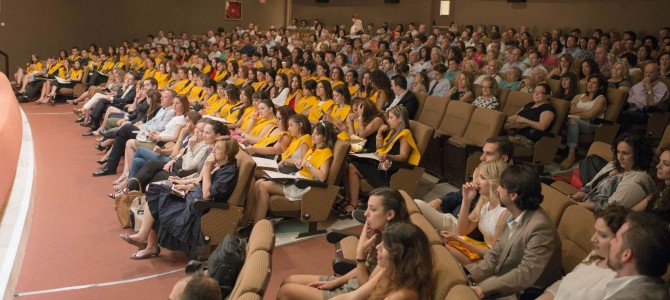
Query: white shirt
point(583, 283)
point(618, 284)
point(171, 126)
point(281, 98)
point(514, 224)
point(528, 71)
point(161, 40)
point(441, 87)
point(396, 100)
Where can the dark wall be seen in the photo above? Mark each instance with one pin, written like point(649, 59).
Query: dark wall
point(45, 26)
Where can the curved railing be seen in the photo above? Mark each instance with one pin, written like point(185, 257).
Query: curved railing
point(11, 133)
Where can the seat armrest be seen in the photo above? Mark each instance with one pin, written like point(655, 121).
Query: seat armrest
point(304, 183)
point(203, 205)
point(335, 236)
point(404, 165)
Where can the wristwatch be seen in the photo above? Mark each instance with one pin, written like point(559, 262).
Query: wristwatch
point(648, 92)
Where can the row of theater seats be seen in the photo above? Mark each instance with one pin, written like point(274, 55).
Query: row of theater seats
point(574, 224)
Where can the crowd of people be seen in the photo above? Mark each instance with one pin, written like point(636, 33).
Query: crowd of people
point(175, 111)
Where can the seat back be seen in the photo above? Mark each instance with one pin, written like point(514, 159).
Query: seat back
point(575, 230)
point(665, 139)
point(635, 76)
point(412, 208)
point(515, 101)
point(456, 118)
point(601, 149)
point(420, 221)
point(477, 90)
point(615, 101)
point(422, 134)
point(245, 168)
point(502, 98)
point(554, 203)
point(433, 110)
point(421, 100)
point(554, 84)
point(254, 276)
point(461, 292)
point(561, 109)
point(447, 273)
point(485, 123)
point(262, 237)
point(339, 153)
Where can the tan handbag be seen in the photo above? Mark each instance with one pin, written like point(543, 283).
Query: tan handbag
point(124, 203)
point(136, 214)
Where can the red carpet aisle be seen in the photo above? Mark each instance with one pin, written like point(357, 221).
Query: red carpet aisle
point(74, 239)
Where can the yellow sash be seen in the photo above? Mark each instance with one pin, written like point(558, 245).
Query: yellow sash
point(182, 87)
point(206, 69)
point(376, 95)
point(258, 64)
point(340, 113)
point(318, 109)
point(270, 138)
point(107, 67)
point(161, 78)
point(343, 135)
point(414, 155)
point(288, 100)
point(240, 81)
point(295, 144)
point(320, 78)
point(258, 85)
point(221, 76)
point(75, 73)
point(286, 71)
point(55, 68)
point(353, 90)
point(305, 103)
point(337, 83)
point(317, 157)
point(213, 104)
point(471, 255)
point(195, 93)
point(261, 123)
point(224, 112)
point(149, 73)
point(246, 117)
point(38, 67)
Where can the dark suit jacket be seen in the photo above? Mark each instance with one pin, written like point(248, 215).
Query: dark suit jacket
point(531, 257)
point(643, 288)
point(409, 101)
point(120, 101)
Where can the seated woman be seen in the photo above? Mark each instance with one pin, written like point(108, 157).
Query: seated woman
point(587, 68)
point(186, 164)
point(421, 82)
point(243, 111)
point(453, 69)
point(406, 267)
point(488, 215)
point(619, 77)
point(75, 75)
point(512, 79)
point(583, 109)
point(295, 90)
point(351, 79)
point(569, 87)
point(171, 221)
point(279, 139)
point(564, 66)
point(490, 70)
point(529, 124)
point(463, 89)
point(381, 88)
point(337, 77)
point(624, 181)
point(589, 279)
point(262, 122)
point(488, 98)
point(396, 147)
point(250, 118)
point(314, 165)
point(658, 203)
point(280, 93)
point(231, 97)
point(324, 96)
point(113, 84)
point(27, 75)
point(364, 121)
point(337, 114)
point(385, 207)
point(309, 100)
point(214, 103)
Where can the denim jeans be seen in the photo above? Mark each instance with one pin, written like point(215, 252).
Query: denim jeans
point(577, 126)
point(142, 155)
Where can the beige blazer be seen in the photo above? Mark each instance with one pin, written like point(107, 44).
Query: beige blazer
point(531, 257)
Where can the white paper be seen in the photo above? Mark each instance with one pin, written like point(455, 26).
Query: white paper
point(365, 155)
point(222, 120)
point(265, 163)
point(279, 175)
point(62, 80)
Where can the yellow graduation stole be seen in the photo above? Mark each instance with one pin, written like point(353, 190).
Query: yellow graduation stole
point(353, 90)
point(161, 78)
point(304, 104)
point(318, 109)
point(343, 135)
point(206, 69)
point(261, 123)
point(240, 81)
point(320, 78)
point(376, 95)
point(291, 97)
point(258, 85)
point(295, 144)
point(246, 117)
point(337, 83)
point(317, 157)
point(107, 66)
point(54, 68)
point(340, 113)
point(221, 75)
point(258, 64)
point(89, 65)
point(38, 66)
point(195, 94)
point(213, 104)
point(286, 71)
point(224, 112)
point(166, 83)
point(149, 73)
point(182, 87)
point(75, 73)
point(270, 138)
point(73, 58)
point(123, 58)
point(414, 155)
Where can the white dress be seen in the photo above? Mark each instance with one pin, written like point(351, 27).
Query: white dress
point(584, 282)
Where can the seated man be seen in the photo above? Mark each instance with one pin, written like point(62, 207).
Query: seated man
point(527, 257)
point(440, 85)
point(515, 60)
point(639, 256)
point(537, 75)
point(535, 59)
point(650, 92)
point(124, 96)
point(402, 96)
point(196, 286)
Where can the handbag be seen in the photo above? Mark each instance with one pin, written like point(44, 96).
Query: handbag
point(136, 214)
point(123, 203)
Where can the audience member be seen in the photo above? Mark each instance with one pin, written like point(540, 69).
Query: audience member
point(643, 96)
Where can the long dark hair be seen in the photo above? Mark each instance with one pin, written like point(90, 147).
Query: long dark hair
point(642, 153)
point(572, 88)
point(328, 131)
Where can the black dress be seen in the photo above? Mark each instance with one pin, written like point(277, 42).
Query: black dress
point(176, 222)
point(369, 168)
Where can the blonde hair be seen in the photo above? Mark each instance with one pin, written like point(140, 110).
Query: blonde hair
point(491, 172)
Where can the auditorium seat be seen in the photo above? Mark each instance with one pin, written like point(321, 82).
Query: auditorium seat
point(555, 203)
point(433, 110)
point(575, 230)
point(461, 292)
point(597, 148)
point(447, 272)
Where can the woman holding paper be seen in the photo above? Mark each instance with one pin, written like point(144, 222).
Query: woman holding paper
point(394, 147)
point(278, 140)
point(314, 165)
point(261, 123)
point(240, 112)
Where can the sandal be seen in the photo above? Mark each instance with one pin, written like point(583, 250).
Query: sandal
point(120, 186)
point(156, 252)
point(117, 194)
point(121, 179)
point(343, 213)
point(128, 240)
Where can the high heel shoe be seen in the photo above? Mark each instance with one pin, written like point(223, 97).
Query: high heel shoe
point(101, 161)
point(117, 194)
point(100, 147)
point(121, 179)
